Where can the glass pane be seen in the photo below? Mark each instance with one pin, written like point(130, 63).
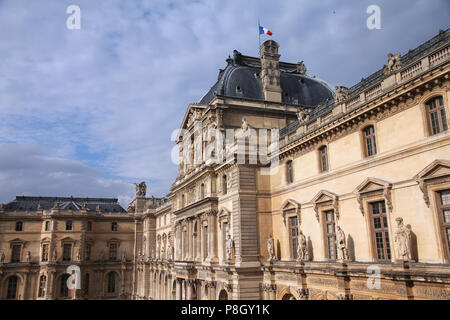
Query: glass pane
point(445, 197)
point(447, 216)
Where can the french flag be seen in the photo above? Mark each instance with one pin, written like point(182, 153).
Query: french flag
point(263, 30)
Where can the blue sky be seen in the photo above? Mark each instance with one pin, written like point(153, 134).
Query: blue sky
point(87, 112)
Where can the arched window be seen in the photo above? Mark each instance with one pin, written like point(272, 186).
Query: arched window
point(19, 226)
point(369, 141)
point(182, 200)
point(436, 115)
point(63, 288)
point(12, 288)
point(289, 172)
point(224, 184)
point(202, 191)
point(323, 154)
point(42, 286)
point(111, 282)
point(69, 225)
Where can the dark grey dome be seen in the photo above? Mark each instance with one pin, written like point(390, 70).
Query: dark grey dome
point(241, 79)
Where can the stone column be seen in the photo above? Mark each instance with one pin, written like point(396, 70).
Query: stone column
point(50, 285)
point(212, 257)
point(190, 289)
point(189, 239)
point(23, 294)
point(178, 289)
point(198, 248)
point(272, 292)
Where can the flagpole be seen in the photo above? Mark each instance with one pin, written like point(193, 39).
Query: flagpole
point(259, 36)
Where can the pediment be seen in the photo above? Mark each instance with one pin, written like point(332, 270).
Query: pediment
point(290, 204)
point(372, 184)
point(324, 196)
point(194, 112)
point(436, 169)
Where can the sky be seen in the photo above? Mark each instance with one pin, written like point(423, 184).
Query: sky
point(86, 112)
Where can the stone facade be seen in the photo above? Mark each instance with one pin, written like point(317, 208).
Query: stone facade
point(357, 207)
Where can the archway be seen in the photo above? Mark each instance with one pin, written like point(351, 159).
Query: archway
point(288, 296)
point(223, 295)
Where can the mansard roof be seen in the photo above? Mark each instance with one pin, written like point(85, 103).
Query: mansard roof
point(240, 79)
point(24, 203)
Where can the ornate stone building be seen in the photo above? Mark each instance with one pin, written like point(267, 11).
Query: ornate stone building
point(350, 199)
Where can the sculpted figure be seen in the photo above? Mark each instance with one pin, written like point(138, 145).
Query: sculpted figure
point(101, 255)
point(169, 250)
point(244, 125)
point(341, 244)
point(28, 257)
point(302, 115)
point(301, 68)
point(271, 248)
point(229, 248)
point(394, 63)
point(2, 257)
point(402, 240)
point(141, 189)
point(124, 256)
point(79, 255)
point(302, 248)
point(341, 93)
point(54, 255)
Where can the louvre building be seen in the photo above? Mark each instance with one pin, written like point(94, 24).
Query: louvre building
point(353, 203)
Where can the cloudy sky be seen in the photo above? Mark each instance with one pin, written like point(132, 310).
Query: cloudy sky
point(87, 112)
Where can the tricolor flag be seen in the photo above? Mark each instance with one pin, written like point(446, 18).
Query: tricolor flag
point(263, 30)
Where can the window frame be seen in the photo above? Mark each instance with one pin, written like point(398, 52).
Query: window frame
point(64, 252)
point(114, 226)
point(42, 287)
point(69, 225)
point(289, 171)
point(441, 115)
point(9, 285)
point(372, 149)
point(328, 235)
point(293, 239)
point(384, 229)
point(444, 226)
point(19, 226)
point(324, 164)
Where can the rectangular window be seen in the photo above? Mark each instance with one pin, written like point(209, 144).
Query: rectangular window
point(42, 284)
point(381, 231)
point(323, 158)
point(444, 207)
point(15, 256)
point(369, 137)
point(330, 234)
point(289, 172)
point(87, 253)
point(89, 226)
point(69, 225)
point(436, 115)
point(205, 242)
point(67, 252)
point(112, 251)
point(293, 235)
point(63, 288)
point(47, 225)
point(45, 252)
point(114, 226)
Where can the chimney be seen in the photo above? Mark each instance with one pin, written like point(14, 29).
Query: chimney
point(270, 71)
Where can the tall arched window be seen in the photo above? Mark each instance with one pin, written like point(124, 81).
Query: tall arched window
point(63, 288)
point(436, 115)
point(111, 282)
point(202, 191)
point(323, 153)
point(289, 172)
point(42, 286)
point(12, 288)
point(369, 140)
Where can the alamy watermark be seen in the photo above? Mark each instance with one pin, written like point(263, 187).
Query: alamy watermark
point(73, 22)
point(374, 20)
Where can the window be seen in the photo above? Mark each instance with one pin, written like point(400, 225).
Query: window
point(42, 284)
point(111, 282)
point(444, 208)
point(381, 231)
point(205, 241)
point(15, 256)
point(86, 284)
point(67, 252)
point(87, 253)
point(47, 225)
point(289, 172)
point(113, 226)
point(323, 153)
point(44, 256)
point(112, 251)
point(69, 225)
point(293, 235)
point(19, 226)
point(224, 184)
point(370, 142)
point(63, 288)
point(330, 234)
point(436, 115)
point(202, 191)
point(12, 288)
point(89, 226)
point(182, 200)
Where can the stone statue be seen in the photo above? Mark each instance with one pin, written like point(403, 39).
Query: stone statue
point(54, 255)
point(161, 256)
point(2, 257)
point(28, 257)
point(302, 116)
point(141, 189)
point(101, 255)
point(341, 93)
point(402, 239)
point(169, 250)
point(302, 248)
point(244, 125)
point(131, 208)
point(394, 63)
point(124, 256)
point(341, 244)
point(229, 248)
point(301, 68)
point(79, 255)
point(271, 248)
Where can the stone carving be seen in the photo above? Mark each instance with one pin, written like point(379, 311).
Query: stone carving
point(303, 294)
point(131, 208)
point(302, 248)
point(54, 255)
point(83, 206)
point(271, 248)
point(124, 256)
point(141, 189)
point(101, 255)
point(39, 207)
point(229, 248)
point(394, 63)
point(341, 244)
point(341, 93)
point(56, 205)
point(79, 255)
point(169, 251)
point(2, 257)
point(301, 68)
point(28, 256)
point(302, 115)
point(402, 239)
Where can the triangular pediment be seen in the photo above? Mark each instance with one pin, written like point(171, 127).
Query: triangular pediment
point(324, 196)
point(372, 184)
point(289, 204)
point(436, 169)
point(194, 112)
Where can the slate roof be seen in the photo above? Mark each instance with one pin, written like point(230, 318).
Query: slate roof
point(23, 203)
point(240, 79)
